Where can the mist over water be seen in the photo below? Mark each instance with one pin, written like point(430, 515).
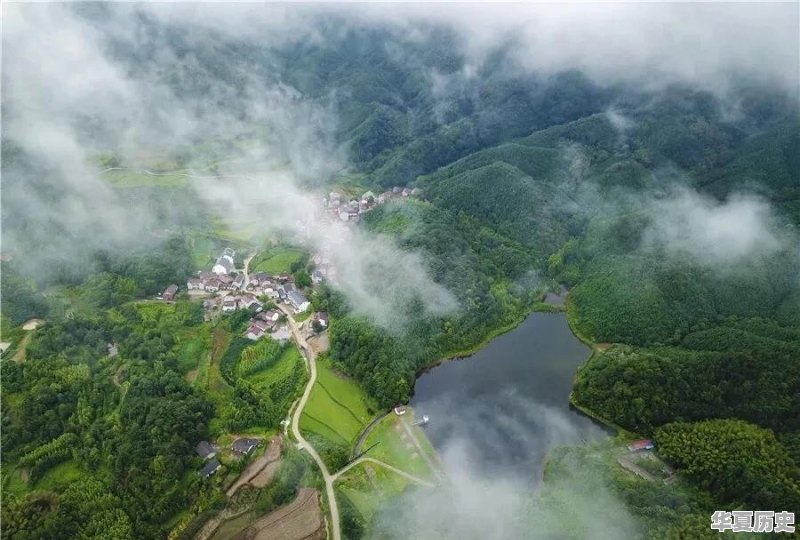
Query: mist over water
point(494, 417)
point(501, 410)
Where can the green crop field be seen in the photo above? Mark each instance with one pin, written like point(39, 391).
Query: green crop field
point(279, 371)
point(130, 178)
point(338, 409)
point(276, 260)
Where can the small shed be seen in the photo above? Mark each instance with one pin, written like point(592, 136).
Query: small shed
point(641, 445)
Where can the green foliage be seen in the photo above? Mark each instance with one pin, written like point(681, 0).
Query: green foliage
point(70, 407)
point(20, 301)
point(737, 461)
point(263, 355)
point(370, 355)
point(86, 510)
point(745, 369)
point(333, 453)
point(45, 456)
point(353, 523)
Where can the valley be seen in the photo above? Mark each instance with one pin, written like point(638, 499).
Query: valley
point(311, 271)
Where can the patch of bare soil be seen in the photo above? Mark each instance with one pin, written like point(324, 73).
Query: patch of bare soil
point(299, 520)
point(191, 376)
point(254, 469)
point(266, 475)
point(32, 324)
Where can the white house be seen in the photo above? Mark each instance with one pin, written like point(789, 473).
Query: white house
point(298, 300)
point(229, 304)
point(195, 284)
point(224, 264)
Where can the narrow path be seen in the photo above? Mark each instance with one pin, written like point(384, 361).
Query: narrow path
point(310, 357)
point(247, 267)
point(365, 433)
point(385, 465)
point(434, 469)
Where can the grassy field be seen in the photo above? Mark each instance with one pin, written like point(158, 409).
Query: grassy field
point(395, 448)
point(370, 487)
point(193, 346)
point(338, 409)
point(128, 178)
point(60, 476)
point(276, 260)
point(209, 379)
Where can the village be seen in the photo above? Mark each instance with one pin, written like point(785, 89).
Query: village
point(226, 289)
point(274, 301)
point(351, 211)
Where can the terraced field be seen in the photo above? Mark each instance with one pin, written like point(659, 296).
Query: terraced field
point(337, 409)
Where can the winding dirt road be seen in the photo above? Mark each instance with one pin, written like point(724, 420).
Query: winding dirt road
point(311, 359)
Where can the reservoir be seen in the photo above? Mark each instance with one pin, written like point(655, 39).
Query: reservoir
point(499, 411)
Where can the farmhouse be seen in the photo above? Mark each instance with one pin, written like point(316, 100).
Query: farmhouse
point(243, 447)
point(240, 282)
point(298, 300)
point(225, 281)
point(270, 316)
point(321, 317)
point(170, 292)
point(249, 301)
point(205, 450)
point(212, 285)
point(195, 284)
point(256, 330)
point(229, 304)
point(210, 468)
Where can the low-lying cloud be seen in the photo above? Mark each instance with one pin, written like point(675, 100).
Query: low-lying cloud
point(652, 45)
point(710, 232)
point(86, 97)
point(491, 490)
point(380, 280)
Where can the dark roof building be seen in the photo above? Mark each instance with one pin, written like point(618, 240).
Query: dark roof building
point(205, 450)
point(210, 468)
point(244, 446)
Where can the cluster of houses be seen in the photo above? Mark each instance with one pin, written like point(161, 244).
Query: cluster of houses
point(240, 448)
point(267, 322)
point(243, 292)
point(350, 210)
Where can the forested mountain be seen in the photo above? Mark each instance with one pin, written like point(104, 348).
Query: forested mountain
point(672, 214)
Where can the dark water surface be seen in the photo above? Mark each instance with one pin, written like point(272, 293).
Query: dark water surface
point(501, 410)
